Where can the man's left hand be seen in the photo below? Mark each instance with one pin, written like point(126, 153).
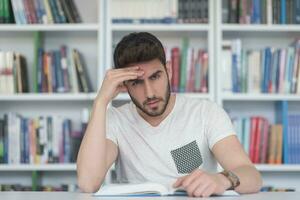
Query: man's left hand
point(202, 184)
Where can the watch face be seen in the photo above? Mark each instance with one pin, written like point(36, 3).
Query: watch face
point(235, 180)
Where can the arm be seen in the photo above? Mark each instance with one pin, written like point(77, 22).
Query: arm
point(97, 153)
point(231, 155)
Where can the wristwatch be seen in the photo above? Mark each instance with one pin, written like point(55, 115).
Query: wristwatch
point(234, 179)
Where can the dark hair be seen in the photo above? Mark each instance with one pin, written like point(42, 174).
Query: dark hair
point(138, 47)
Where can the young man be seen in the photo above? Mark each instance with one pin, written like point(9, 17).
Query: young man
point(160, 136)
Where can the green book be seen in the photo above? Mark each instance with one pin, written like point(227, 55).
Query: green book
point(1, 11)
point(183, 64)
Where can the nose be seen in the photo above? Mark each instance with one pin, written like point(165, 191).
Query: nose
point(149, 92)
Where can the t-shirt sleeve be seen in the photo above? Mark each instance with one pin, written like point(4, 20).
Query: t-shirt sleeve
point(218, 124)
point(111, 125)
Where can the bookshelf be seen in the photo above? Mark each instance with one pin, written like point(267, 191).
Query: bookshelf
point(88, 38)
point(96, 36)
point(258, 36)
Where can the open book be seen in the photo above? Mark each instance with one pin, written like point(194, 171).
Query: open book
point(146, 189)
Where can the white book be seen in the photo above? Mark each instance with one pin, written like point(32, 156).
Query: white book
point(72, 72)
point(254, 77)
point(57, 135)
point(146, 189)
point(269, 12)
point(14, 151)
point(2, 74)
point(226, 67)
point(10, 83)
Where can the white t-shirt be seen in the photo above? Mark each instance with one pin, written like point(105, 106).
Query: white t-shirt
point(181, 143)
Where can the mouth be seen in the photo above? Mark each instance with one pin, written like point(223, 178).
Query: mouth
point(152, 104)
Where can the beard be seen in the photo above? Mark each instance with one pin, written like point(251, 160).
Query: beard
point(154, 112)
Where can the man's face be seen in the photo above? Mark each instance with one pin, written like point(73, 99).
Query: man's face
point(151, 92)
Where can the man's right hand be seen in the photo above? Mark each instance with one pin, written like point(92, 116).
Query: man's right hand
point(112, 84)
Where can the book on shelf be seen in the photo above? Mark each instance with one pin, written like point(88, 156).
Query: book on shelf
point(58, 73)
point(261, 11)
point(267, 143)
point(39, 187)
point(156, 11)
point(262, 141)
point(244, 11)
point(146, 189)
point(276, 189)
point(39, 11)
point(13, 73)
point(38, 140)
point(189, 68)
point(268, 70)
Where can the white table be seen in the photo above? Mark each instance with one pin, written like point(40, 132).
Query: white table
point(85, 196)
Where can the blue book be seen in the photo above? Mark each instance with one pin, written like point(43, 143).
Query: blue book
point(283, 12)
point(297, 11)
point(282, 118)
point(256, 12)
point(40, 70)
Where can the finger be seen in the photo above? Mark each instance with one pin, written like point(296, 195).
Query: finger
point(194, 185)
point(137, 74)
point(208, 192)
point(126, 69)
point(190, 178)
point(200, 190)
point(179, 182)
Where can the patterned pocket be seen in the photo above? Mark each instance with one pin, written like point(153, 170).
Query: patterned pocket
point(187, 158)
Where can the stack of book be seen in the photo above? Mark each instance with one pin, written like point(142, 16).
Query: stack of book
point(189, 68)
point(58, 73)
point(261, 11)
point(266, 70)
point(48, 188)
point(45, 139)
point(270, 143)
point(157, 11)
point(13, 73)
point(39, 11)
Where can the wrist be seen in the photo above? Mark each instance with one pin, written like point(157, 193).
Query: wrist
point(233, 179)
point(101, 102)
point(224, 181)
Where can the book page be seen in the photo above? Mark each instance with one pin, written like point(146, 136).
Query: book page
point(132, 189)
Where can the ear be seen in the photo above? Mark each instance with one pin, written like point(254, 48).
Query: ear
point(169, 70)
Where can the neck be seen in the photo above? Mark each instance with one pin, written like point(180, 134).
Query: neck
point(155, 121)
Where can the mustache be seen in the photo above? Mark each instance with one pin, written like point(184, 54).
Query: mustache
point(151, 99)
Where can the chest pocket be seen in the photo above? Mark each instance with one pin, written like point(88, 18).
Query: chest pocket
point(187, 158)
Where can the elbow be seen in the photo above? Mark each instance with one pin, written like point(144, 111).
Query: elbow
point(88, 186)
point(259, 183)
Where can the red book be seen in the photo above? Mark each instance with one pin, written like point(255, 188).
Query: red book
point(265, 139)
point(175, 61)
point(258, 139)
point(253, 132)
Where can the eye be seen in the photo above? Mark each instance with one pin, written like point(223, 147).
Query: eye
point(136, 82)
point(155, 76)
